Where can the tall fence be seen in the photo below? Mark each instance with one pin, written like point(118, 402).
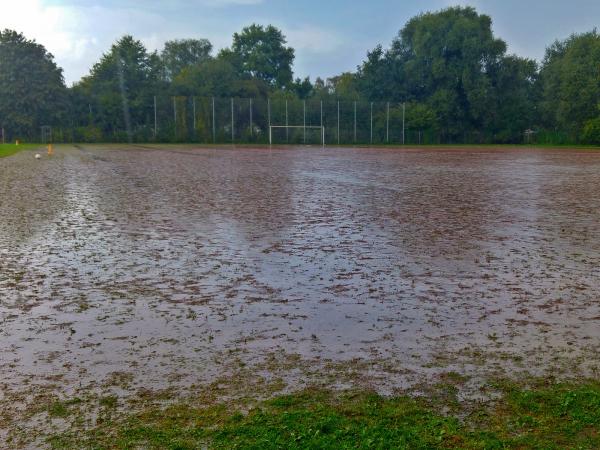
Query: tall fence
point(240, 120)
point(248, 121)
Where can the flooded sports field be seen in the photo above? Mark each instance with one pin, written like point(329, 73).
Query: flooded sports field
point(131, 269)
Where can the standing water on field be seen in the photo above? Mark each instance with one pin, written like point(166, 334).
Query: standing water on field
point(175, 266)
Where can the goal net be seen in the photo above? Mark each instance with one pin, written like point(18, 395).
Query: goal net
point(297, 134)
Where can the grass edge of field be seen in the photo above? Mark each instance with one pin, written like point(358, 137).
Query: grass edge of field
point(7, 150)
point(545, 414)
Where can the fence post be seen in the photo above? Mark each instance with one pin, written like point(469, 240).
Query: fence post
point(175, 112)
point(269, 117)
point(304, 119)
point(338, 122)
point(321, 113)
point(232, 124)
point(355, 121)
point(371, 123)
point(155, 120)
point(214, 127)
point(403, 123)
point(251, 131)
point(287, 130)
point(194, 108)
point(387, 124)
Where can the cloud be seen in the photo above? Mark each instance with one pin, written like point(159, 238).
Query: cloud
point(313, 39)
point(77, 34)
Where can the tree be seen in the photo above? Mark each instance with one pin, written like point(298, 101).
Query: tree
point(303, 88)
point(260, 52)
point(570, 82)
point(212, 78)
point(122, 84)
point(181, 53)
point(32, 89)
point(345, 86)
point(514, 106)
point(443, 59)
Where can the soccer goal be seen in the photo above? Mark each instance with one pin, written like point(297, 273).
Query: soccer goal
point(304, 133)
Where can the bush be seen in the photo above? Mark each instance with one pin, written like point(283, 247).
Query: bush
point(591, 132)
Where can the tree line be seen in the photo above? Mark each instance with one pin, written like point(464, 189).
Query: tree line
point(453, 75)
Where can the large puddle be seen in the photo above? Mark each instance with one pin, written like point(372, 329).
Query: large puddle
point(170, 265)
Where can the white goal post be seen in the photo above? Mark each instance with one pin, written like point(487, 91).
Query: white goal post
point(304, 127)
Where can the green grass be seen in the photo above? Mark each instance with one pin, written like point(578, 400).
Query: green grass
point(11, 149)
point(552, 416)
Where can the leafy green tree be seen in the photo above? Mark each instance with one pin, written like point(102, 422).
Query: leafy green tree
point(591, 131)
point(345, 86)
point(212, 78)
point(260, 52)
point(515, 104)
point(32, 89)
point(443, 59)
point(181, 53)
point(121, 86)
point(303, 88)
point(570, 82)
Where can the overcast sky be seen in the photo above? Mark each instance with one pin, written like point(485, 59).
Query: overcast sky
point(330, 36)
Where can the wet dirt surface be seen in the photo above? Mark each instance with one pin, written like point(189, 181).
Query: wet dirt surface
point(174, 266)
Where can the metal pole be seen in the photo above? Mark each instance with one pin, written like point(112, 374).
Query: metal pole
point(232, 124)
point(338, 122)
point(403, 122)
point(322, 127)
point(371, 122)
point(174, 118)
point(194, 108)
point(287, 130)
point(321, 113)
point(387, 124)
point(304, 120)
point(251, 131)
point(155, 121)
point(355, 121)
point(214, 128)
point(269, 117)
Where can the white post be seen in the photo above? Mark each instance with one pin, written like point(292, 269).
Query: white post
point(304, 122)
point(269, 111)
point(194, 108)
point(175, 118)
point(355, 121)
point(338, 122)
point(323, 136)
point(321, 112)
point(251, 131)
point(403, 122)
point(232, 124)
point(214, 127)
point(270, 135)
point(387, 124)
point(371, 123)
point(155, 121)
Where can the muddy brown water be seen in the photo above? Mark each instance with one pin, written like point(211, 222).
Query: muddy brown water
point(162, 263)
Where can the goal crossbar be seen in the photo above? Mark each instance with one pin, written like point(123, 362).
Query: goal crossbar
point(305, 127)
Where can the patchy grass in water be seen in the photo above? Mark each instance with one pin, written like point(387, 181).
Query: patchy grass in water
point(548, 416)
